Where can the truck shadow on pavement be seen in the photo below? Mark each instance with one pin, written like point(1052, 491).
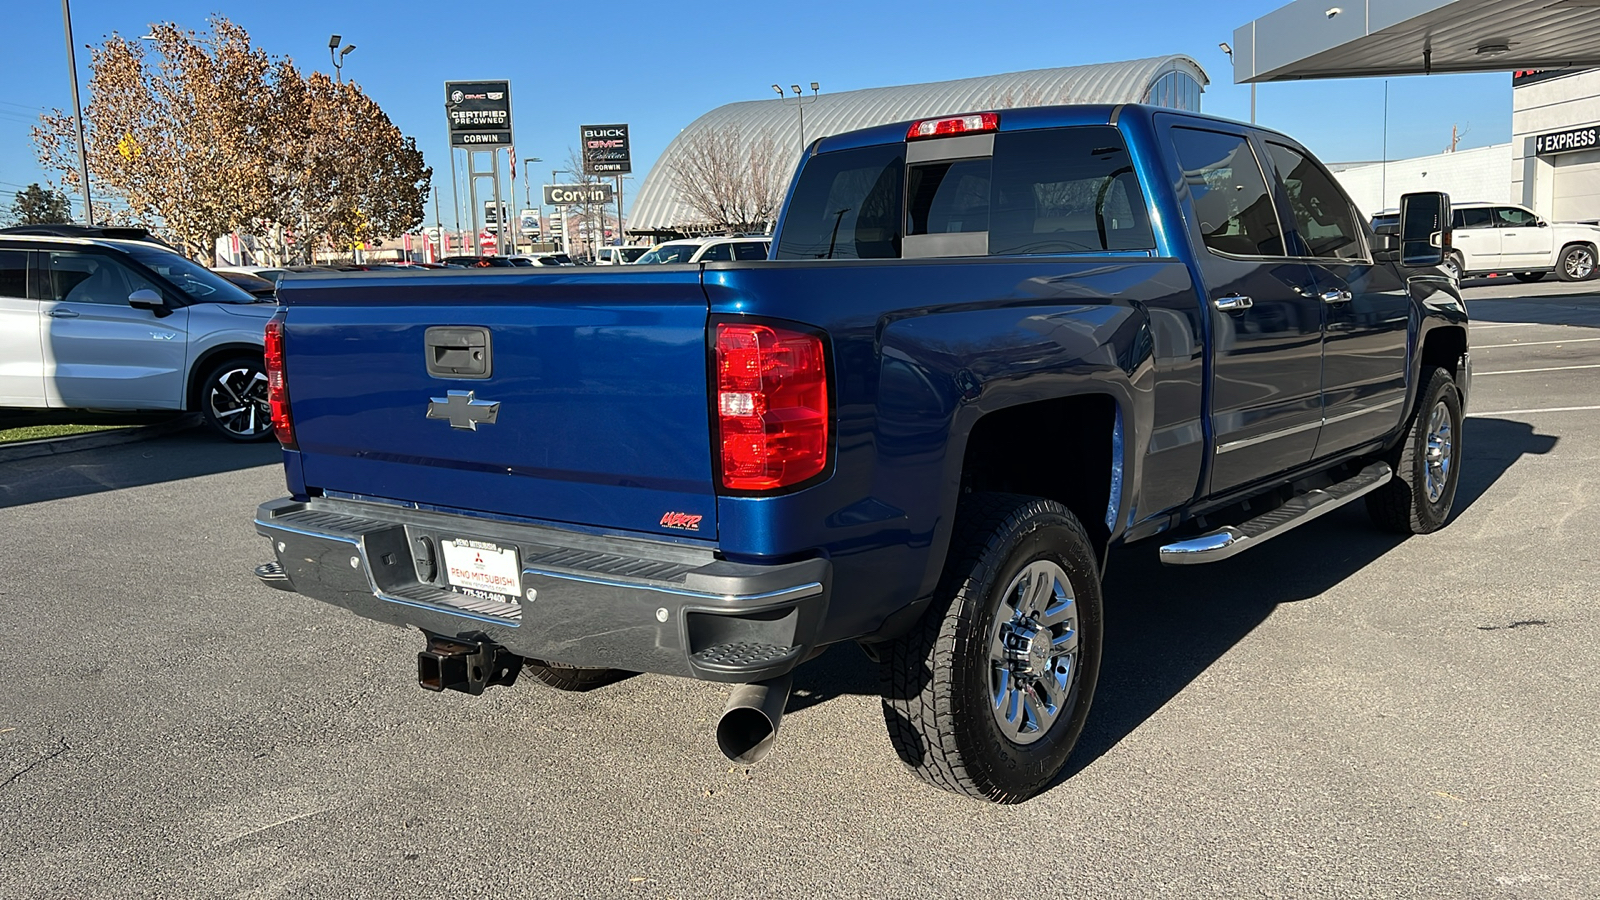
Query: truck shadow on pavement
point(1167, 625)
point(170, 458)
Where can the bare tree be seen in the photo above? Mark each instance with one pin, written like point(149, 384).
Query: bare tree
point(732, 184)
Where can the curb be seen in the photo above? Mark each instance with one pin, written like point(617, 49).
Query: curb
point(95, 440)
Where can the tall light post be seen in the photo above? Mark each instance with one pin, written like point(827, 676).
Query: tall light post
point(335, 54)
point(566, 237)
point(800, 101)
point(1229, 50)
point(77, 113)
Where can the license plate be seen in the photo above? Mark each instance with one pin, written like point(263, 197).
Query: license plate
point(484, 570)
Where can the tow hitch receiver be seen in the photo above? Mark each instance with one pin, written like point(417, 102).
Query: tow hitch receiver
point(461, 664)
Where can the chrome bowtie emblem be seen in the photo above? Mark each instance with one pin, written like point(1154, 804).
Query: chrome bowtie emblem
point(463, 410)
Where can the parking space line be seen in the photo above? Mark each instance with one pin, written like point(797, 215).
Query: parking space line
point(1478, 325)
point(1526, 371)
point(1523, 412)
point(1536, 343)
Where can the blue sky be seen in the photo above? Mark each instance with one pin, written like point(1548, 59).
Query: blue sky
point(658, 66)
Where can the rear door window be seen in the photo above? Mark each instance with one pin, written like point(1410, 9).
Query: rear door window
point(1065, 190)
point(1232, 206)
point(14, 274)
point(1474, 217)
point(846, 206)
point(717, 253)
point(750, 250)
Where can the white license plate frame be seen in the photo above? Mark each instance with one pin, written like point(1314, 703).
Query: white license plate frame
point(482, 569)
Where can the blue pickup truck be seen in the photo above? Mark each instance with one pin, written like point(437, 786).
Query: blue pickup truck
point(986, 349)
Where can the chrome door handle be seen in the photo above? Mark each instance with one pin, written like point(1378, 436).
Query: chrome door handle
point(62, 314)
point(1234, 303)
point(1336, 296)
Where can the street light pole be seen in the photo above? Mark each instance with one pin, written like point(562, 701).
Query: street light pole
point(800, 102)
point(1229, 50)
point(77, 112)
point(527, 191)
point(338, 60)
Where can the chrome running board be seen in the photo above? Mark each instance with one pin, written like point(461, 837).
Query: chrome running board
point(1231, 540)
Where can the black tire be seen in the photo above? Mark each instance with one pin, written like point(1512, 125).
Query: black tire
point(1529, 277)
point(939, 696)
point(1404, 504)
point(1577, 263)
point(571, 678)
point(239, 383)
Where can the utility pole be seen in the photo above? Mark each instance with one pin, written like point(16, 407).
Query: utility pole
point(77, 113)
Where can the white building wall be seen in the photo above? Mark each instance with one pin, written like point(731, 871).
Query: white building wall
point(1556, 104)
point(1482, 174)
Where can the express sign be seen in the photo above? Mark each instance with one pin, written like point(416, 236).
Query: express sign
point(597, 194)
point(479, 113)
point(1586, 138)
point(605, 150)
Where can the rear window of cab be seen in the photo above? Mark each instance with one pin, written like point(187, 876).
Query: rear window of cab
point(1047, 191)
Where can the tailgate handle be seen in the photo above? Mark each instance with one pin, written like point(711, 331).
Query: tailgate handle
point(457, 351)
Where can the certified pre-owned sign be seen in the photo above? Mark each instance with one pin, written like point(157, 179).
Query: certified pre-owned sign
point(479, 113)
point(1586, 138)
point(597, 194)
point(605, 150)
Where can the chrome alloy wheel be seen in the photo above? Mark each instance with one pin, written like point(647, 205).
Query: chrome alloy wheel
point(1579, 264)
point(1438, 457)
point(237, 398)
point(1033, 652)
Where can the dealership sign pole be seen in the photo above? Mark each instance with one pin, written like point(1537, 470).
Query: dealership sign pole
point(606, 152)
point(479, 115)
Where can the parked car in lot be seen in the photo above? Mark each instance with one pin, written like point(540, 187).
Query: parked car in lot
point(480, 262)
point(542, 259)
point(713, 249)
point(990, 347)
point(254, 285)
point(618, 256)
point(129, 325)
point(1504, 238)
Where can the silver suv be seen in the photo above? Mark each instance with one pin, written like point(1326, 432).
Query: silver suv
point(129, 325)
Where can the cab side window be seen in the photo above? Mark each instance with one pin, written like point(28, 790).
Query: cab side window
point(1322, 216)
point(718, 253)
point(90, 278)
point(1231, 203)
point(14, 274)
point(1512, 217)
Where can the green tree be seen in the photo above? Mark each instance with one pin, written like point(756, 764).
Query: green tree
point(37, 205)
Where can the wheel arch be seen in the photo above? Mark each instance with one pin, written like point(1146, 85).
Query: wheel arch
point(206, 360)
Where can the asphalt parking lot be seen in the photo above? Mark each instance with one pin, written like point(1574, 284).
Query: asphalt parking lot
point(1341, 713)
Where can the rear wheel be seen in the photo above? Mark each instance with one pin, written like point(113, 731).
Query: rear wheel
point(987, 695)
point(1529, 277)
point(571, 678)
point(233, 399)
point(1455, 265)
point(1577, 264)
point(1426, 464)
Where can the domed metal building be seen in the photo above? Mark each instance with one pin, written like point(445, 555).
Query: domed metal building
point(658, 211)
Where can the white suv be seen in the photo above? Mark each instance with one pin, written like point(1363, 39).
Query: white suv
point(712, 249)
point(1503, 237)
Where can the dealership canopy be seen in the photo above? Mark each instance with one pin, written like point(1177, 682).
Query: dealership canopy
point(1352, 38)
point(1164, 80)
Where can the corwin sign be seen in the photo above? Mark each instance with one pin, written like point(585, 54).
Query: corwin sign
point(605, 150)
point(596, 194)
point(479, 113)
point(1587, 138)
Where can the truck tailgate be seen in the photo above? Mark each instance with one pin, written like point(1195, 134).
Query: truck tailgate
point(600, 377)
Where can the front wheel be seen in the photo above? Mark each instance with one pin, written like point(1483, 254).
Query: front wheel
point(988, 693)
point(1577, 264)
point(233, 399)
point(1426, 464)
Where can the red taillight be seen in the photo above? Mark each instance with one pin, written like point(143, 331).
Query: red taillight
point(772, 406)
point(968, 124)
point(278, 383)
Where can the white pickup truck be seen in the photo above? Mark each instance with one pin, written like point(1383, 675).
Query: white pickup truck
point(1502, 237)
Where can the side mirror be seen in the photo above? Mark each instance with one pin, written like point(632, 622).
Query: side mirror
point(1540, 223)
point(1424, 229)
point(144, 298)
